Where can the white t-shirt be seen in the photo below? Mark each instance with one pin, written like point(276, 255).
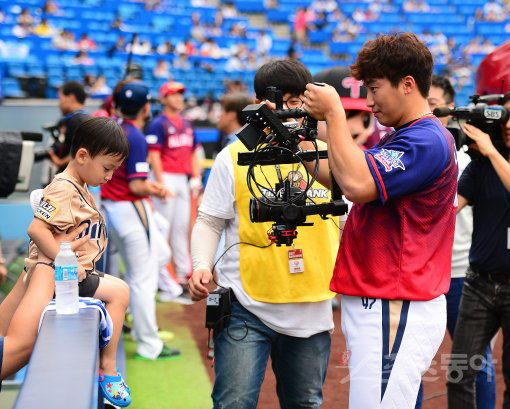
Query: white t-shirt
point(294, 319)
point(463, 229)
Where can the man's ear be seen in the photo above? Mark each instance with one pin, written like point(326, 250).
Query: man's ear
point(257, 101)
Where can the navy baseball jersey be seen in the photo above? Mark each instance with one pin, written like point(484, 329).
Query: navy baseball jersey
point(175, 139)
point(134, 167)
point(400, 246)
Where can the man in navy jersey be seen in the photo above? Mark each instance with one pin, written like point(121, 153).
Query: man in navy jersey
point(394, 262)
point(131, 222)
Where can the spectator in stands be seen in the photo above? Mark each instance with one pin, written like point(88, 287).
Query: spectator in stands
point(197, 30)
point(165, 48)
point(271, 4)
point(487, 47)
point(82, 58)
point(25, 19)
point(85, 43)
point(210, 49)
point(161, 70)
point(175, 164)
point(228, 10)
point(301, 25)
point(264, 42)
point(494, 11)
point(50, 8)
point(3, 16)
point(231, 117)
point(238, 30)
point(118, 24)
point(359, 15)
point(187, 47)
point(99, 88)
point(44, 29)
point(182, 62)
point(64, 40)
point(119, 46)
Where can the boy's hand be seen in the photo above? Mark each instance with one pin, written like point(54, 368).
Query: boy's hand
point(81, 273)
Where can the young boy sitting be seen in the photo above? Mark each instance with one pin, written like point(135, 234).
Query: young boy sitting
point(99, 147)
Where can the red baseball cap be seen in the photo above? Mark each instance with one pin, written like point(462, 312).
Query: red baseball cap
point(353, 93)
point(493, 76)
point(170, 88)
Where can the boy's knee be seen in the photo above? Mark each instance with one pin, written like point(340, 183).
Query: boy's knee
point(124, 293)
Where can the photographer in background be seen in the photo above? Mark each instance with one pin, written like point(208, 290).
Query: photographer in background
point(231, 117)
point(394, 262)
point(277, 310)
point(485, 305)
point(71, 101)
point(442, 94)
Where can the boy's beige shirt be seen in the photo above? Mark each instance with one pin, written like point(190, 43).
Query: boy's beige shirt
point(64, 205)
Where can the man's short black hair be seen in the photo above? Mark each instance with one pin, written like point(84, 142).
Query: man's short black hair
point(74, 88)
point(444, 83)
point(100, 136)
point(288, 76)
point(236, 103)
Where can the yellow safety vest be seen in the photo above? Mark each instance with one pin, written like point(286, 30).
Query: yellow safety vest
point(265, 273)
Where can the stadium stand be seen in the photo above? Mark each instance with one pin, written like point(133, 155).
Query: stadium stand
point(48, 59)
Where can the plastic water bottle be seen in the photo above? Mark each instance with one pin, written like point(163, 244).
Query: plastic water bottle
point(66, 280)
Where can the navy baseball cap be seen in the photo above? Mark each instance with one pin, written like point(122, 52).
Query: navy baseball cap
point(132, 97)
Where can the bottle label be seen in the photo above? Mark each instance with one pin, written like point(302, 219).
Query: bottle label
point(66, 273)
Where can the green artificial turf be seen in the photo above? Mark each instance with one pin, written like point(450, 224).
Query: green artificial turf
point(179, 383)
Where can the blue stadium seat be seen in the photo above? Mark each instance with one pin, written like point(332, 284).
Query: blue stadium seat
point(11, 88)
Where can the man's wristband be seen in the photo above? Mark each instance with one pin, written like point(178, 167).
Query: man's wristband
point(52, 265)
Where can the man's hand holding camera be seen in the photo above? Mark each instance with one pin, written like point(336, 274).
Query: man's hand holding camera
point(322, 102)
point(483, 142)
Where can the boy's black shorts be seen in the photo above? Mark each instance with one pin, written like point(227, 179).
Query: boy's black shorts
point(88, 286)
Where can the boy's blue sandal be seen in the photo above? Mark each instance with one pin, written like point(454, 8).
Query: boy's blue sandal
point(115, 389)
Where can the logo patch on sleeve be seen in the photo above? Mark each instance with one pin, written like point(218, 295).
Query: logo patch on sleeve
point(47, 209)
point(151, 139)
point(390, 159)
point(142, 167)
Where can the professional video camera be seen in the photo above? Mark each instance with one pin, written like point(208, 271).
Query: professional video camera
point(16, 160)
point(288, 203)
point(487, 118)
point(57, 145)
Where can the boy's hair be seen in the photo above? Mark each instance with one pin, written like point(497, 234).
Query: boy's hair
point(236, 103)
point(288, 76)
point(100, 136)
point(444, 84)
point(74, 88)
point(393, 57)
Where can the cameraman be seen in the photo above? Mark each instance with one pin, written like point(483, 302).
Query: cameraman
point(278, 313)
point(71, 101)
point(486, 292)
point(442, 94)
point(393, 265)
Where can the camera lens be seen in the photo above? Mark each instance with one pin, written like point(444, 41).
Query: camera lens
point(260, 212)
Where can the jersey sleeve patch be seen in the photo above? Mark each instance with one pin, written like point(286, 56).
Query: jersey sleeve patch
point(47, 210)
point(142, 167)
point(390, 159)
